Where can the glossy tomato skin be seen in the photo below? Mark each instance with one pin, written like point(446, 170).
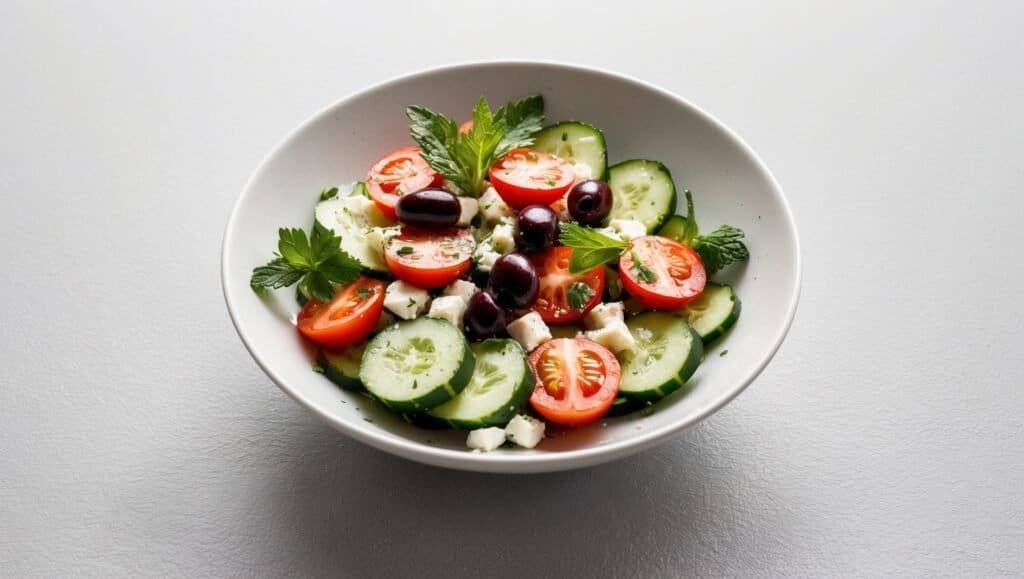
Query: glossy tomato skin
point(430, 258)
point(348, 318)
point(554, 279)
point(524, 177)
point(397, 173)
point(577, 380)
point(678, 268)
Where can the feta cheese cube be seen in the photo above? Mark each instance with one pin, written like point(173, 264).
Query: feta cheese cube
point(494, 208)
point(604, 315)
point(615, 336)
point(486, 439)
point(461, 288)
point(525, 431)
point(469, 208)
point(485, 256)
point(628, 229)
point(503, 238)
point(584, 172)
point(450, 308)
point(530, 331)
point(406, 300)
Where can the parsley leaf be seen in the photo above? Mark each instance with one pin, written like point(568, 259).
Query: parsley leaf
point(316, 263)
point(579, 295)
point(465, 158)
point(690, 231)
point(590, 248)
point(721, 247)
point(328, 193)
point(643, 273)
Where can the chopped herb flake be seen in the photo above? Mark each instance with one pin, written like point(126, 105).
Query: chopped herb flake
point(405, 250)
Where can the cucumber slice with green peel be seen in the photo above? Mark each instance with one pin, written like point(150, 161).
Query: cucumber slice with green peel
point(575, 142)
point(342, 366)
point(666, 354)
point(350, 218)
point(642, 190)
point(501, 383)
point(674, 228)
point(416, 365)
point(714, 311)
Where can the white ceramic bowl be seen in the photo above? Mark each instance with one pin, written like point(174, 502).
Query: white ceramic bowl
point(338, 144)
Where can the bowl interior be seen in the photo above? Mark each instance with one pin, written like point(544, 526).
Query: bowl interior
point(338, 145)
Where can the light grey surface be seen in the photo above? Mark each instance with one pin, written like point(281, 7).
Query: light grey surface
point(138, 439)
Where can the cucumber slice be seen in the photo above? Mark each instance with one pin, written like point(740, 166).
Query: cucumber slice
point(666, 354)
point(342, 366)
point(417, 365)
point(502, 381)
point(713, 312)
point(674, 228)
point(642, 190)
point(350, 218)
point(576, 142)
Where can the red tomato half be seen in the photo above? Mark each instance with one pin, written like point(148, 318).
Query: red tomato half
point(525, 177)
point(662, 274)
point(399, 172)
point(430, 258)
point(577, 380)
point(553, 303)
point(348, 318)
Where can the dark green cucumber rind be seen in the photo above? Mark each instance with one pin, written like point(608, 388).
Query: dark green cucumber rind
point(435, 397)
point(502, 415)
point(553, 131)
point(624, 405)
point(360, 188)
point(728, 322)
point(338, 376)
point(673, 228)
point(686, 369)
point(664, 215)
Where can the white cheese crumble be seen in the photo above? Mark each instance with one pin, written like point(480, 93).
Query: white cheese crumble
point(584, 172)
point(615, 337)
point(493, 207)
point(524, 431)
point(450, 308)
point(486, 439)
point(530, 331)
point(461, 288)
point(469, 208)
point(627, 229)
point(603, 315)
point(406, 300)
point(485, 256)
point(503, 238)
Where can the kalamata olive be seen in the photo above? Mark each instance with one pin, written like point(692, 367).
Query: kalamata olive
point(434, 208)
point(514, 281)
point(590, 201)
point(484, 318)
point(536, 228)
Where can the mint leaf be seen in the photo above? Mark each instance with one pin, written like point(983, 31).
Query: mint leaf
point(721, 248)
point(435, 134)
point(590, 248)
point(579, 295)
point(522, 120)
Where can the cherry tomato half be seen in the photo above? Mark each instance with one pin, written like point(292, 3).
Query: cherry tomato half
point(348, 318)
point(577, 380)
point(662, 274)
point(430, 258)
point(399, 172)
point(524, 177)
point(553, 300)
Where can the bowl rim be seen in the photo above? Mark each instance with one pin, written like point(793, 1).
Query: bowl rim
point(527, 461)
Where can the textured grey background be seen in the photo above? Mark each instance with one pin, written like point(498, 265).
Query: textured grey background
point(137, 438)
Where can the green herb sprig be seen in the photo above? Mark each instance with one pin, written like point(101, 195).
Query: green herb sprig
point(718, 249)
point(316, 263)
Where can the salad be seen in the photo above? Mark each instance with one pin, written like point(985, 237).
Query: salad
point(499, 277)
